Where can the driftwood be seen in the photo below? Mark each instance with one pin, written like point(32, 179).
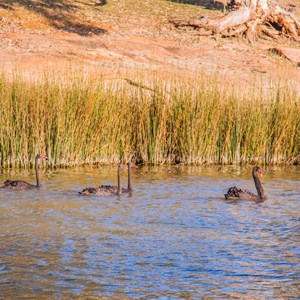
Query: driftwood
point(257, 19)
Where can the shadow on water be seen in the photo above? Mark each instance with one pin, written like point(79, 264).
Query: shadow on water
point(176, 237)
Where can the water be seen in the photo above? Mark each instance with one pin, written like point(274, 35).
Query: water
point(175, 238)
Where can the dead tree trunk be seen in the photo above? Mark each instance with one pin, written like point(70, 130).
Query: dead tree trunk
point(253, 18)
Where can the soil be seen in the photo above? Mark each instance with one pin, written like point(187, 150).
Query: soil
point(32, 42)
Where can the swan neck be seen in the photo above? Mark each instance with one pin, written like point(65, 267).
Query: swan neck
point(258, 185)
point(119, 192)
point(129, 178)
point(37, 171)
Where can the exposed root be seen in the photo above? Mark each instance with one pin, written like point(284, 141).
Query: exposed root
point(270, 22)
point(235, 32)
point(268, 32)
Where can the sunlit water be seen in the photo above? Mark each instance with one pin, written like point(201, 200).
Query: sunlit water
point(175, 238)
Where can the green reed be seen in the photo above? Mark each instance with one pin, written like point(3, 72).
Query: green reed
point(89, 120)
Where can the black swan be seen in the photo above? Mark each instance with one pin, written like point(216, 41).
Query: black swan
point(129, 188)
point(235, 193)
point(105, 190)
point(23, 185)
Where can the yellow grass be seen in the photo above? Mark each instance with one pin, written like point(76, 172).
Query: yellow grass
point(85, 120)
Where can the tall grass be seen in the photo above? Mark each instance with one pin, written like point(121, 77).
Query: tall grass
point(93, 120)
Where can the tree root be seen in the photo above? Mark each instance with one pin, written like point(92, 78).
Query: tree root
point(268, 21)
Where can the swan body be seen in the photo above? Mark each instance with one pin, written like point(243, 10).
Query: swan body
point(111, 190)
point(99, 191)
point(104, 190)
point(18, 185)
point(23, 185)
point(235, 193)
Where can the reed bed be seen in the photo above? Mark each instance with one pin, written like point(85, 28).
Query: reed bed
point(92, 120)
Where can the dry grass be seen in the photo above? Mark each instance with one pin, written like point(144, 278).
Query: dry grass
point(87, 17)
point(90, 17)
point(82, 120)
point(91, 120)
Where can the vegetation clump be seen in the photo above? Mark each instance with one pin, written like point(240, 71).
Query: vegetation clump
point(97, 121)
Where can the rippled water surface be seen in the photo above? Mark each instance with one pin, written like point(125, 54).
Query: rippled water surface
point(175, 238)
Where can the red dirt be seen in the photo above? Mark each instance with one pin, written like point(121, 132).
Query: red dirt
point(161, 48)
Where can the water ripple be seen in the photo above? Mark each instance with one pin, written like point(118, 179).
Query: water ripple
point(175, 238)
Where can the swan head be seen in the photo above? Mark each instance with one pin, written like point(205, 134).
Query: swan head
point(258, 170)
point(132, 165)
point(42, 156)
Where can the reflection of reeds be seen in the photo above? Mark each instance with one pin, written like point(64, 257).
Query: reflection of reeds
point(98, 121)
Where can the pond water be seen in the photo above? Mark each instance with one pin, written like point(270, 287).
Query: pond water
point(175, 238)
